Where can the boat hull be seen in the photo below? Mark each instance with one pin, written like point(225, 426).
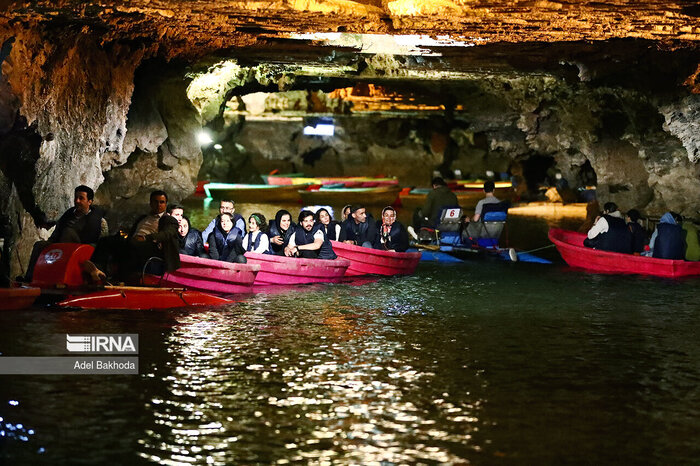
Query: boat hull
point(383, 196)
point(142, 298)
point(252, 192)
point(212, 275)
point(18, 297)
point(570, 246)
point(282, 270)
point(366, 261)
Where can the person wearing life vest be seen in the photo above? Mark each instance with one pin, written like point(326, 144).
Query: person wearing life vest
point(279, 231)
point(191, 243)
point(308, 240)
point(226, 241)
point(610, 232)
point(639, 235)
point(392, 236)
point(667, 241)
point(257, 240)
point(329, 226)
point(226, 206)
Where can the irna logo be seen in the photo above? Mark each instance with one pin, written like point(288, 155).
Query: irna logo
point(102, 343)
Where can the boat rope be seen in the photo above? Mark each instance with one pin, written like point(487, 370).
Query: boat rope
point(538, 249)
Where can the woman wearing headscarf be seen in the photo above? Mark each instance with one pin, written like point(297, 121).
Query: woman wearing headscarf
point(668, 240)
point(257, 240)
point(392, 235)
point(191, 243)
point(329, 226)
point(280, 230)
point(226, 241)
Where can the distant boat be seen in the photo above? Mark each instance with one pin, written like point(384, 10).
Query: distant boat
point(366, 261)
point(570, 246)
point(283, 270)
point(379, 196)
point(14, 298)
point(347, 181)
point(240, 192)
point(467, 197)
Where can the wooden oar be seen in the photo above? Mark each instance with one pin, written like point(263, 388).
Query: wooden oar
point(429, 247)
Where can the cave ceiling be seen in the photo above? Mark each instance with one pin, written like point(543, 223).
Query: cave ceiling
point(298, 31)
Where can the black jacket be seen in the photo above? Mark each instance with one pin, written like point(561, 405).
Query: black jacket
point(88, 227)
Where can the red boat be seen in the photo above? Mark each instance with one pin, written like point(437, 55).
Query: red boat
point(210, 275)
point(142, 298)
point(59, 266)
point(14, 298)
point(366, 261)
point(283, 270)
point(570, 246)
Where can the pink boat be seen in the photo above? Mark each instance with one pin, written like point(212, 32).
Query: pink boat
point(283, 270)
point(366, 261)
point(570, 246)
point(212, 275)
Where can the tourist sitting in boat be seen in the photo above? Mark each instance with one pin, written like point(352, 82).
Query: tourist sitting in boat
point(668, 240)
point(639, 235)
point(257, 240)
point(226, 206)
point(392, 235)
point(474, 227)
point(692, 242)
point(82, 223)
point(279, 231)
point(191, 243)
point(359, 228)
point(437, 199)
point(345, 213)
point(154, 235)
point(226, 241)
point(610, 232)
point(329, 226)
point(308, 240)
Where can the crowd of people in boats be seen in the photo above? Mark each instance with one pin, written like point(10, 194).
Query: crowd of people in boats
point(673, 237)
point(165, 232)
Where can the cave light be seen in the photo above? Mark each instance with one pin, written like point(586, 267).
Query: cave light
point(204, 138)
point(321, 129)
point(218, 146)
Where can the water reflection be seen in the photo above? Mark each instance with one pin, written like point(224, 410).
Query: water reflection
point(298, 378)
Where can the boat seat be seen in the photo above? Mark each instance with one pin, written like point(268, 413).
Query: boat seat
point(488, 230)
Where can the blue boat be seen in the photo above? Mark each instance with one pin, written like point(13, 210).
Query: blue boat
point(446, 243)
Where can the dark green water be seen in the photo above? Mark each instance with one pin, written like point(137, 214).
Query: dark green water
point(481, 362)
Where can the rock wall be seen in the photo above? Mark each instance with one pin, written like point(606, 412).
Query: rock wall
point(64, 101)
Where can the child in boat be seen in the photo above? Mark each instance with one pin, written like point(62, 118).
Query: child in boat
point(257, 240)
point(226, 241)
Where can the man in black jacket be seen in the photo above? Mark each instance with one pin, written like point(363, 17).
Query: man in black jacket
point(359, 228)
point(82, 223)
point(152, 235)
